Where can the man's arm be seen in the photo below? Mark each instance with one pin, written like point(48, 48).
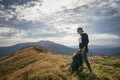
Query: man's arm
point(83, 49)
point(84, 42)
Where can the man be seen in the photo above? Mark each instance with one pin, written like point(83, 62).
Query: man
point(83, 46)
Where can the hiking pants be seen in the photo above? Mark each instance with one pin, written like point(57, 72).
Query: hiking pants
point(85, 59)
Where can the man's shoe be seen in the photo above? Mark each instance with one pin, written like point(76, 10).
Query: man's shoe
point(90, 71)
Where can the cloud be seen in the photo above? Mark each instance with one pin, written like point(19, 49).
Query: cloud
point(104, 36)
point(6, 15)
point(8, 33)
point(51, 6)
point(57, 20)
point(104, 39)
point(108, 25)
point(28, 12)
point(2, 7)
point(8, 3)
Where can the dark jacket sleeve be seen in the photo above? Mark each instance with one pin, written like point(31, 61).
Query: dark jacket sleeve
point(85, 39)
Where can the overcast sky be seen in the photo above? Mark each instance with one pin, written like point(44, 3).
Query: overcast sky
point(57, 21)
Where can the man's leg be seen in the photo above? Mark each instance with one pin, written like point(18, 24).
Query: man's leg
point(85, 59)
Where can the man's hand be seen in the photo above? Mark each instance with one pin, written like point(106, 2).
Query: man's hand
point(83, 49)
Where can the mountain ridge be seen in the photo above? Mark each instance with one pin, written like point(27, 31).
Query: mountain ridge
point(54, 47)
point(39, 63)
point(62, 49)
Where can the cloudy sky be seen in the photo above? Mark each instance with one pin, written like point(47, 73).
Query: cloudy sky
point(57, 20)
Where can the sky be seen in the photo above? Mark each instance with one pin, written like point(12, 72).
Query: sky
point(57, 20)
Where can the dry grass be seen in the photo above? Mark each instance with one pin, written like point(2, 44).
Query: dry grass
point(35, 63)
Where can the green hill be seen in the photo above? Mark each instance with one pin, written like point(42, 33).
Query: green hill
point(38, 63)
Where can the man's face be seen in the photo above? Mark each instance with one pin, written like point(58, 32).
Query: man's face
point(79, 31)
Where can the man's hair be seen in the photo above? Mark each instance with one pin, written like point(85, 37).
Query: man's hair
point(80, 28)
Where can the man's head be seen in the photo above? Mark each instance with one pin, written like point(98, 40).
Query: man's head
point(80, 30)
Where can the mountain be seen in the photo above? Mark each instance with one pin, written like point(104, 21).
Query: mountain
point(57, 48)
point(61, 49)
point(102, 50)
point(54, 47)
point(39, 63)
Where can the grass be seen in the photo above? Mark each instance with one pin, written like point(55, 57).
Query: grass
point(34, 64)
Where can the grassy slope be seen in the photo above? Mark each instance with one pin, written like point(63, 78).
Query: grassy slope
point(34, 63)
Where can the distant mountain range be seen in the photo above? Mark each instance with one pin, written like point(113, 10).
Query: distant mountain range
point(102, 50)
point(105, 51)
point(54, 47)
point(61, 49)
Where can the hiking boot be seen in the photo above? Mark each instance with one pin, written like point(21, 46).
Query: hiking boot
point(90, 72)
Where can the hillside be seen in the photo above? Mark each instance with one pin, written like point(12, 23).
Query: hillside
point(38, 63)
point(54, 47)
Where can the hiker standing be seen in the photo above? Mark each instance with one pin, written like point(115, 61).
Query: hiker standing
point(83, 46)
